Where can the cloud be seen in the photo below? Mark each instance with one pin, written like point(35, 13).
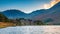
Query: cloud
point(52, 3)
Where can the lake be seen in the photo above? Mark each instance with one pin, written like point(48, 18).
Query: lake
point(31, 30)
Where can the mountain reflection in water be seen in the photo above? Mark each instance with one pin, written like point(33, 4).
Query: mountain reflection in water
point(31, 30)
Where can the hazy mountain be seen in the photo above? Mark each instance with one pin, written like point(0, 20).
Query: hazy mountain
point(13, 14)
point(37, 12)
point(45, 14)
point(53, 13)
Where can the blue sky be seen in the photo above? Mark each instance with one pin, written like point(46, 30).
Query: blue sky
point(26, 6)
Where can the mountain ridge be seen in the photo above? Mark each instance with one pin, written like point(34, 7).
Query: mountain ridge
point(13, 13)
point(53, 13)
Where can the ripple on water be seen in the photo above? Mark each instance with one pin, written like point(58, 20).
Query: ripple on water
point(31, 30)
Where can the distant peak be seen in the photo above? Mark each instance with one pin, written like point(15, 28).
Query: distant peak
point(13, 10)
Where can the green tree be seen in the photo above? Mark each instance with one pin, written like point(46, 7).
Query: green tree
point(3, 18)
point(38, 22)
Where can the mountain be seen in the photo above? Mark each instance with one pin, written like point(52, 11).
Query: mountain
point(37, 12)
point(53, 13)
point(13, 14)
point(55, 7)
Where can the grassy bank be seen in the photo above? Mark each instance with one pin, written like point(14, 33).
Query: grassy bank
point(3, 24)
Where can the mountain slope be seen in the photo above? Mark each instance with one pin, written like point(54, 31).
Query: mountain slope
point(45, 14)
point(53, 13)
point(38, 12)
point(3, 18)
point(13, 14)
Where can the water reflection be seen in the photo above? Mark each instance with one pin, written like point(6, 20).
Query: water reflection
point(31, 30)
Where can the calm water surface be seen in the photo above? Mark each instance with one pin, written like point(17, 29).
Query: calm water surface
point(31, 30)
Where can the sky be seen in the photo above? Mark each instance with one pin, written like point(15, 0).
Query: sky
point(26, 6)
